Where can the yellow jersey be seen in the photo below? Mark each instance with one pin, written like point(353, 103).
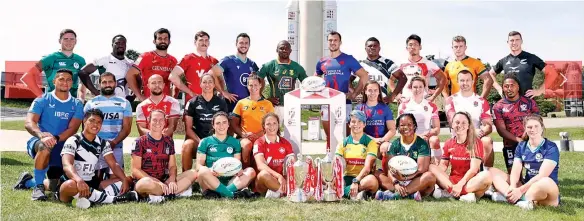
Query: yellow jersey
point(356, 153)
point(251, 112)
point(475, 66)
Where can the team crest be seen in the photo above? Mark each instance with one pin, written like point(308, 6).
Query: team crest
point(230, 150)
point(538, 157)
point(476, 103)
point(282, 150)
point(76, 65)
point(523, 107)
point(276, 73)
point(245, 107)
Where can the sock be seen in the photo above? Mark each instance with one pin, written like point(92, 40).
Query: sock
point(232, 187)
point(30, 183)
point(100, 197)
point(223, 191)
point(113, 189)
point(347, 190)
point(436, 153)
point(39, 175)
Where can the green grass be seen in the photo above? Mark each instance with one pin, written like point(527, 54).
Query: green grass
point(16, 205)
point(16, 103)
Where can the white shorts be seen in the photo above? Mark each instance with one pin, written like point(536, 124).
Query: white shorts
point(324, 111)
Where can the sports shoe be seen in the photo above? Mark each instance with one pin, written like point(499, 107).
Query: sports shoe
point(469, 198)
point(490, 191)
point(525, 204)
point(38, 193)
point(155, 199)
point(363, 195)
point(210, 194)
point(440, 193)
point(416, 196)
point(187, 193)
point(248, 194)
point(272, 194)
point(498, 197)
point(379, 195)
point(21, 183)
point(239, 195)
point(81, 203)
point(131, 196)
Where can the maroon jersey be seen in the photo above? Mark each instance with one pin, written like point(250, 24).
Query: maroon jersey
point(155, 154)
point(512, 113)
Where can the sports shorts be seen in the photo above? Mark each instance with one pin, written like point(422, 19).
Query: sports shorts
point(55, 158)
point(509, 155)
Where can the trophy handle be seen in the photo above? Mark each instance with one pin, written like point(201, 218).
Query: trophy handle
point(289, 171)
point(318, 188)
point(309, 179)
point(338, 170)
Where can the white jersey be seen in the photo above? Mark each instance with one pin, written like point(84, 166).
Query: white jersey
point(117, 67)
point(423, 68)
point(475, 105)
point(424, 112)
point(86, 153)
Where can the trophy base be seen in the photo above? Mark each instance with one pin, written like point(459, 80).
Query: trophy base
point(330, 196)
point(298, 196)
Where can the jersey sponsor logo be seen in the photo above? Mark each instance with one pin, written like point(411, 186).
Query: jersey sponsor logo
point(199, 107)
point(62, 115)
point(62, 63)
point(245, 107)
point(523, 107)
point(215, 108)
point(243, 79)
point(285, 83)
point(69, 148)
point(161, 68)
point(206, 115)
point(282, 150)
point(213, 149)
point(375, 122)
point(118, 104)
point(111, 116)
point(51, 105)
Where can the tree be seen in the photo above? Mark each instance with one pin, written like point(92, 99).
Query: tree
point(132, 54)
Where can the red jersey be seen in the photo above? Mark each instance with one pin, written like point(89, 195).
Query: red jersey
point(194, 66)
point(168, 104)
point(274, 153)
point(151, 63)
point(459, 157)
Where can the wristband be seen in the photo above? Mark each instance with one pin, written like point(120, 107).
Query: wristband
point(57, 137)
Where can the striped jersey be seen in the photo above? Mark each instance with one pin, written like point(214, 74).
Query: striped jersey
point(114, 109)
point(168, 104)
point(86, 153)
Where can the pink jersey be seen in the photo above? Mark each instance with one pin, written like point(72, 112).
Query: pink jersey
point(475, 105)
point(424, 112)
point(422, 68)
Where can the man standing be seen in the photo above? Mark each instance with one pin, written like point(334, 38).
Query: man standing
point(115, 63)
point(522, 64)
point(380, 69)
point(50, 64)
point(337, 70)
point(282, 74)
point(419, 66)
point(51, 119)
point(157, 100)
point(117, 120)
point(232, 71)
point(476, 67)
point(192, 67)
point(157, 62)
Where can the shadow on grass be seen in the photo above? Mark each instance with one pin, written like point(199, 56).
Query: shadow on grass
point(5, 161)
point(572, 187)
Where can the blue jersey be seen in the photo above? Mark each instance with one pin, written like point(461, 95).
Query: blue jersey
point(377, 116)
point(532, 160)
point(235, 73)
point(338, 71)
point(56, 114)
point(114, 109)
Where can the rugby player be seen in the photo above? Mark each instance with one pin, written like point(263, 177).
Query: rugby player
point(232, 72)
point(52, 63)
point(247, 117)
point(464, 153)
point(198, 116)
point(541, 159)
point(213, 148)
point(81, 154)
point(270, 152)
point(115, 63)
point(51, 119)
point(520, 63)
point(157, 100)
point(157, 62)
point(117, 120)
point(509, 113)
point(461, 60)
point(154, 164)
point(192, 67)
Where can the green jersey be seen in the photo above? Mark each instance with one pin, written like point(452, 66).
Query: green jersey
point(282, 77)
point(216, 149)
point(55, 61)
point(417, 149)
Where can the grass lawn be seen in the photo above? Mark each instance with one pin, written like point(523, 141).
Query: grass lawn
point(16, 205)
point(16, 103)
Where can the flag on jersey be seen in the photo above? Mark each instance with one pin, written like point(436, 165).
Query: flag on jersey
point(235, 73)
point(424, 112)
point(512, 114)
point(380, 70)
point(532, 158)
point(114, 109)
point(475, 105)
point(377, 117)
point(86, 153)
point(194, 66)
point(423, 68)
point(168, 104)
point(118, 68)
point(338, 71)
point(150, 64)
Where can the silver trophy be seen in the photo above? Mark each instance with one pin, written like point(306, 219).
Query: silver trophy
point(326, 168)
point(300, 172)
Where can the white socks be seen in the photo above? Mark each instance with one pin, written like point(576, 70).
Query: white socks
point(98, 197)
point(114, 188)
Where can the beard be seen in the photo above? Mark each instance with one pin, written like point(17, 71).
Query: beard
point(161, 46)
point(107, 91)
point(156, 93)
point(241, 52)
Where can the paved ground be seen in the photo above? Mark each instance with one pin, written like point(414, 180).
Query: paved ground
point(9, 113)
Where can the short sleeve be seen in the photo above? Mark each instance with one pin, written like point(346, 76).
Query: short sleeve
point(288, 146)
point(449, 105)
point(70, 146)
point(319, 71)
point(269, 107)
point(538, 63)
point(388, 113)
point(263, 72)
point(434, 111)
point(480, 68)
point(447, 71)
point(171, 144)
point(236, 146)
point(552, 153)
point(82, 62)
point(254, 67)
point(174, 109)
point(301, 73)
point(423, 149)
point(37, 106)
point(202, 148)
point(372, 148)
point(223, 64)
point(184, 63)
point(140, 117)
point(432, 68)
point(394, 147)
point(47, 62)
point(107, 149)
point(137, 148)
point(128, 109)
point(354, 65)
point(190, 108)
point(392, 68)
point(534, 107)
point(237, 111)
point(258, 147)
point(141, 62)
point(340, 150)
point(78, 109)
point(224, 107)
point(519, 151)
point(87, 107)
point(401, 108)
point(499, 66)
point(100, 62)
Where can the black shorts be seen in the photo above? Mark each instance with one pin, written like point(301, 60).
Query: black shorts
point(55, 173)
point(93, 183)
point(509, 155)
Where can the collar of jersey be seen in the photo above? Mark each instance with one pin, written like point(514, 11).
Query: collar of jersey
point(64, 55)
point(401, 140)
point(278, 62)
point(465, 57)
point(152, 138)
point(62, 101)
point(199, 55)
point(512, 102)
point(164, 97)
point(261, 98)
point(268, 141)
point(87, 140)
point(241, 59)
point(220, 141)
point(538, 146)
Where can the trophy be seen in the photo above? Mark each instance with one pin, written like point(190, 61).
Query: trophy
point(297, 179)
point(331, 170)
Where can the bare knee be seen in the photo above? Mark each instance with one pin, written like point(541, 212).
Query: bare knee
point(250, 172)
point(434, 142)
point(370, 183)
point(487, 143)
point(188, 146)
point(428, 178)
point(144, 184)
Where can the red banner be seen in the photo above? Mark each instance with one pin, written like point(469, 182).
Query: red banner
point(338, 176)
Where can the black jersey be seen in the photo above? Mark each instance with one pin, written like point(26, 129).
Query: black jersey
point(202, 112)
point(523, 66)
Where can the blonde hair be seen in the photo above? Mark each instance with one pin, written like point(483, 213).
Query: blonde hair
point(535, 117)
point(470, 133)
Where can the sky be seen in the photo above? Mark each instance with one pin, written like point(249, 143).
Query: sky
point(551, 30)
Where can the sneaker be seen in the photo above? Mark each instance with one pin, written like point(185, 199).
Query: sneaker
point(81, 203)
point(248, 194)
point(210, 194)
point(187, 193)
point(440, 193)
point(131, 196)
point(469, 198)
point(38, 193)
point(490, 191)
point(498, 197)
point(239, 195)
point(415, 196)
point(155, 199)
point(526, 205)
point(272, 194)
point(21, 183)
point(363, 195)
point(379, 195)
